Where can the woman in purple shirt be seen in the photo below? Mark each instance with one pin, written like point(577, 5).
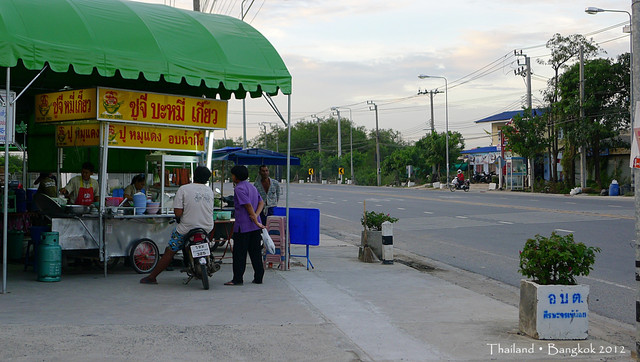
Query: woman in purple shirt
point(247, 227)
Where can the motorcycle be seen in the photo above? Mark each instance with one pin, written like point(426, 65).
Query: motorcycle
point(197, 256)
point(456, 185)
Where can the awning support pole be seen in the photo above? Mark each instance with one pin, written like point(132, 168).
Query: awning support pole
point(5, 218)
point(104, 148)
point(30, 83)
point(275, 108)
point(288, 124)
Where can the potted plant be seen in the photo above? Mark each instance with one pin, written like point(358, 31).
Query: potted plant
point(552, 305)
point(372, 233)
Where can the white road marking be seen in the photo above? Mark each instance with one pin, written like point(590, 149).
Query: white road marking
point(428, 212)
point(505, 222)
point(462, 217)
point(401, 208)
point(378, 205)
point(564, 231)
point(569, 202)
point(335, 217)
point(610, 283)
point(614, 205)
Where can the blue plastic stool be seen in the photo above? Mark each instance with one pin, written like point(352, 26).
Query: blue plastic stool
point(36, 235)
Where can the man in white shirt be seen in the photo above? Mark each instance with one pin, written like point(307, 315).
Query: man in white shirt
point(193, 207)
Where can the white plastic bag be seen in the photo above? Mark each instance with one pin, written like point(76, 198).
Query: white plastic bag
point(268, 243)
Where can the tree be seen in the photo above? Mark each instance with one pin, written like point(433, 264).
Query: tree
point(526, 134)
point(15, 163)
point(395, 164)
point(563, 49)
point(431, 150)
point(606, 107)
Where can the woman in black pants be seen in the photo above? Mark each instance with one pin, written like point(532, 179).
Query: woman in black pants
point(247, 227)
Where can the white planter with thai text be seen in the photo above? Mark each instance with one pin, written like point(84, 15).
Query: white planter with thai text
point(554, 311)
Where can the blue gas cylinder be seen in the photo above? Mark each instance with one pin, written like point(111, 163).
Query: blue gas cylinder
point(49, 258)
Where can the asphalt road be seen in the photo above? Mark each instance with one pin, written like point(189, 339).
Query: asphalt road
point(483, 232)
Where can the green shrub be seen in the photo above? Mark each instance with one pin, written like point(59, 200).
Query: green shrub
point(556, 259)
point(375, 220)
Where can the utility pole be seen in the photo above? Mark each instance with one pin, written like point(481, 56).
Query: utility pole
point(319, 149)
point(526, 72)
point(635, 94)
point(431, 93)
point(583, 158)
point(378, 171)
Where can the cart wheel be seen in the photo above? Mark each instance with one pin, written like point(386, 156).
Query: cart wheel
point(144, 256)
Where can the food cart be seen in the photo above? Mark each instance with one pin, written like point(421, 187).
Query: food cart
point(130, 120)
point(124, 45)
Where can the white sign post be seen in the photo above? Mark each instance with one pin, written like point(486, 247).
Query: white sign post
point(7, 124)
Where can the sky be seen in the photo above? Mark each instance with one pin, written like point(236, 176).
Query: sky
point(343, 53)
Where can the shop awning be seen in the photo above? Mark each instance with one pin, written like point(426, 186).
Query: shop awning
point(127, 41)
point(253, 156)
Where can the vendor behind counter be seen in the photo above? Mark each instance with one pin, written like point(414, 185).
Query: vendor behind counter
point(82, 189)
point(137, 185)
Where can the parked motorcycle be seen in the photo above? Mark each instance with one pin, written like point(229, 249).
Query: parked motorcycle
point(197, 256)
point(456, 185)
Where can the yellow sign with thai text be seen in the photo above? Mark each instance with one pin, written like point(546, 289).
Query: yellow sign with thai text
point(130, 136)
point(78, 135)
point(163, 109)
point(66, 106)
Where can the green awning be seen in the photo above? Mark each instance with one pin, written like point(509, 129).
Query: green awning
point(191, 52)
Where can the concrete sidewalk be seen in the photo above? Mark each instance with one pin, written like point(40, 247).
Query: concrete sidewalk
point(343, 310)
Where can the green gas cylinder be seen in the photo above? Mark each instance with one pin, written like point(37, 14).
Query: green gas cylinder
point(49, 258)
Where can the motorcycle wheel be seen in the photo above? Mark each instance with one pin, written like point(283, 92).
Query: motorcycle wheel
point(204, 276)
point(466, 188)
point(452, 187)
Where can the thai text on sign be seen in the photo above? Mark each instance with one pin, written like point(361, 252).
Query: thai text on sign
point(130, 136)
point(169, 110)
point(66, 106)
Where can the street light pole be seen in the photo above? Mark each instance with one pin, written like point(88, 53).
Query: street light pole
point(378, 171)
point(339, 132)
point(319, 149)
point(446, 107)
point(635, 172)
point(350, 138)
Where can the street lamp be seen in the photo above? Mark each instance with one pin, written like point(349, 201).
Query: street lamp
point(446, 110)
point(593, 11)
point(339, 132)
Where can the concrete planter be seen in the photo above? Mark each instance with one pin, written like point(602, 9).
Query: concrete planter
point(554, 311)
point(374, 239)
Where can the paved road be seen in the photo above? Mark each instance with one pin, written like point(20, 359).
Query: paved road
point(484, 231)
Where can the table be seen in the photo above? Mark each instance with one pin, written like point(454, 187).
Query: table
point(223, 233)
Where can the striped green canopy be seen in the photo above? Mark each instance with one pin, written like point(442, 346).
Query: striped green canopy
point(121, 43)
